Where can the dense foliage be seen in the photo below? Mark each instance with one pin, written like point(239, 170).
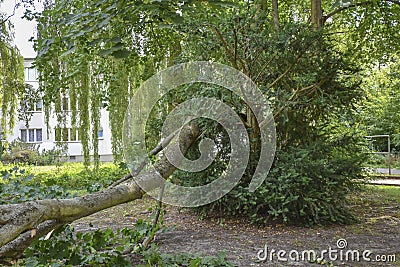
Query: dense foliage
point(105, 247)
point(97, 54)
point(16, 186)
point(20, 152)
point(12, 86)
point(380, 111)
point(69, 247)
point(73, 176)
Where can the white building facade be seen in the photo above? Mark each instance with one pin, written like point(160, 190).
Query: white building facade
point(47, 137)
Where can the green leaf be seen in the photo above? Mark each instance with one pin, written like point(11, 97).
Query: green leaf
point(71, 50)
point(124, 53)
point(106, 52)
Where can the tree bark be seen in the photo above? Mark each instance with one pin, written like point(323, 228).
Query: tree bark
point(316, 14)
point(21, 224)
point(275, 15)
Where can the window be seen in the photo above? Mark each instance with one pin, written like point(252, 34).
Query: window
point(39, 105)
point(39, 136)
point(26, 106)
point(65, 104)
point(31, 135)
point(66, 135)
point(31, 74)
point(100, 133)
point(73, 135)
point(23, 135)
point(57, 136)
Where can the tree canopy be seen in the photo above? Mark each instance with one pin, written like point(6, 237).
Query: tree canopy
point(310, 60)
point(98, 53)
point(307, 58)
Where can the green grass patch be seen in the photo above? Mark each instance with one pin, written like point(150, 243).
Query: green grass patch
point(73, 175)
point(383, 194)
point(374, 205)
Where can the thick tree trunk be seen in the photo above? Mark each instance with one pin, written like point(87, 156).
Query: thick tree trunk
point(275, 15)
point(21, 224)
point(316, 14)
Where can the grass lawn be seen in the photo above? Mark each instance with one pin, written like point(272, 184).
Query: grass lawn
point(73, 175)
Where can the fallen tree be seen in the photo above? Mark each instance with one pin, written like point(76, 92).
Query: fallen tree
point(21, 224)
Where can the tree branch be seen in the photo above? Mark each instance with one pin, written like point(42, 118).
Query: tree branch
point(225, 45)
point(17, 5)
point(299, 56)
point(233, 56)
point(275, 15)
point(340, 9)
point(160, 146)
point(18, 219)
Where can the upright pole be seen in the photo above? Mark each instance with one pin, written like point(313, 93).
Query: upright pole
point(390, 171)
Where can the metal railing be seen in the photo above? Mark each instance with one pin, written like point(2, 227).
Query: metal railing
point(388, 147)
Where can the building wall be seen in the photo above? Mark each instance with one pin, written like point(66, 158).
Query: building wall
point(45, 137)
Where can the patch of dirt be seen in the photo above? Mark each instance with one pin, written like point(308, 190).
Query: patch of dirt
point(377, 231)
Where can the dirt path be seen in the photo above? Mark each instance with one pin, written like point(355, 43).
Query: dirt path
point(377, 231)
point(242, 243)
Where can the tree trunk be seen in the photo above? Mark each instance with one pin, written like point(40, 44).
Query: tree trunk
point(275, 15)
point(316, 14)
point(21, 224)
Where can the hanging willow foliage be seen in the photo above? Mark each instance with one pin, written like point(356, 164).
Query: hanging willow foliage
point(12, 85)
point(97, 54)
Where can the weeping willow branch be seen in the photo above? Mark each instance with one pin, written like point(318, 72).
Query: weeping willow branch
point(12, 84)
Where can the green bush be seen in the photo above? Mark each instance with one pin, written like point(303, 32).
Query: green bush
point(21, 152)
point(307, 184)
point(72, 175)
point(319, 149)
point(76, 176)
point(106, 247)
point(16, 186)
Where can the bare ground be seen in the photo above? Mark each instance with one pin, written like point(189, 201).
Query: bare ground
point(378, 230)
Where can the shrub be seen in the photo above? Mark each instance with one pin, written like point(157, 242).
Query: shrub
point(74, 175)
point(22, 152)
point(307, 183)
point(106, 247)
point(305, 186)
point(18, 186)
